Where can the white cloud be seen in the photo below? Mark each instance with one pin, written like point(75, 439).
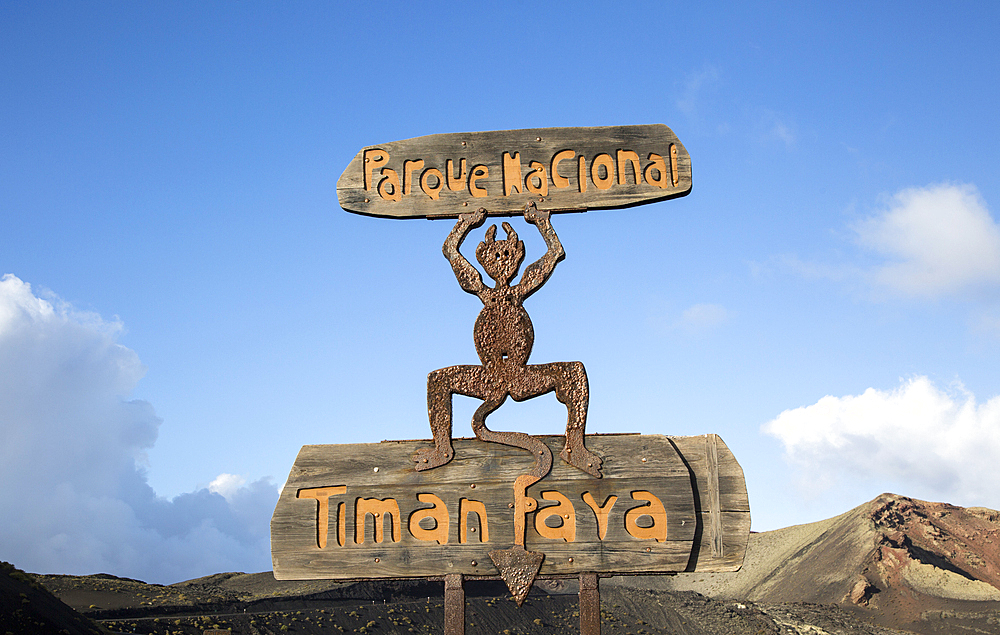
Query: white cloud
point(227, 485)
point(768, 127)
point(986, 322)
point(808, 269)
point(701, 317)
point(938, 239)
point(930, 442)
point(75, 499)
point(695, 86)
point(783, 133)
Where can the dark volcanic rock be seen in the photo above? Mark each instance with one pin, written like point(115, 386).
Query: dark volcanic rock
point(257, 604)
point(27, 607)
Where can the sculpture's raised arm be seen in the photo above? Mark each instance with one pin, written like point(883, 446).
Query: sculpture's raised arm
point(468, 276)
point(539, 271)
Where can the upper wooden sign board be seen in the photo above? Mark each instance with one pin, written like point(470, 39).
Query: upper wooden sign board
point(560, 169)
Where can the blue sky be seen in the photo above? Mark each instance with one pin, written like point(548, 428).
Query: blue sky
point(187, 304)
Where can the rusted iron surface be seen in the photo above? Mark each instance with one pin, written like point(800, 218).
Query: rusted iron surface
point(517, 566)
point(504, 335)
point(518, 569)
point(454, 604)
point(590, 604)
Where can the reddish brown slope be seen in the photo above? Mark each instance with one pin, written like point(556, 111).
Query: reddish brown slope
point(902, 561)
point(929, 559)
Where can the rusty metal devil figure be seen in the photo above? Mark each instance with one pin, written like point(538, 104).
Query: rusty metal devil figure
point(504, 335)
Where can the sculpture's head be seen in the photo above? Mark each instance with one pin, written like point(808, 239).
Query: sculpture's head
point(501, 258)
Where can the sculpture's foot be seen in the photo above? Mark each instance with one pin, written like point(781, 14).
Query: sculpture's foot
point(581, 458)
point(430, 458)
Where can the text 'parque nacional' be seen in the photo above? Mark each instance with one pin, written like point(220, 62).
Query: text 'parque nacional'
point(559, 169)
point(604, 173)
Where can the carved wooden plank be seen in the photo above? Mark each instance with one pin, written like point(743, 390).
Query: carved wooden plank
point(385, 519)
point(714, 508)
point(560, 169)
point(734, 504)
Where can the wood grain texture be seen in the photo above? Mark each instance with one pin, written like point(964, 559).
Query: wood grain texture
point(714, 506)
point(674, 470)
point(560, 169)
point(734, 505)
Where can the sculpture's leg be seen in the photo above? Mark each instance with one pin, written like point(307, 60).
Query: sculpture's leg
point(441, 385)
point(570, 381)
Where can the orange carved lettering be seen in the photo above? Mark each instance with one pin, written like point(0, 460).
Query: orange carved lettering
point(603, 161)
point(478, 172)
point(466, 507)
point(564, 511)
point(425, 178)
point(373, 158)
point(653, 509)
point(457, 183)
point(438, 513)
point(390, 179)
point(380, 509)
point(601, 511)
point(322, 496)
point(626, 157)
point(660, 167)
point(408, 169)
point(558, 179)
point(537, 172)
point(341, 524)
point(511, 173)
point(673, 165)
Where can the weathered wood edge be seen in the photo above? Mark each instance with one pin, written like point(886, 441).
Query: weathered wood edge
point(734, 504)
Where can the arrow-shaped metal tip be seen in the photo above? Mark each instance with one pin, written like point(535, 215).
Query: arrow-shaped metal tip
point(518, 569)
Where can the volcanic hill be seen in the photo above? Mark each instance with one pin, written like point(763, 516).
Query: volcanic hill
point(28, 607)
point(896, 561)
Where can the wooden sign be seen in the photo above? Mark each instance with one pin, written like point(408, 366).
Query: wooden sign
point(360, 511)
point(560, 169)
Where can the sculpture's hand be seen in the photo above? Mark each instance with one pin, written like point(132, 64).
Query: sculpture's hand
point(472, 220)
point(539, 271)
point(466, 223)
point(534, 216)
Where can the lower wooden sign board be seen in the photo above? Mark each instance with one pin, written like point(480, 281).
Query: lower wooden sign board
point(361, 511)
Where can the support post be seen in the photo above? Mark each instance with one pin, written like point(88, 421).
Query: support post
point(590, 604)
point(454, 604)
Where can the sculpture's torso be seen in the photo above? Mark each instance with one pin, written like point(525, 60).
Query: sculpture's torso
point(503, 332)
